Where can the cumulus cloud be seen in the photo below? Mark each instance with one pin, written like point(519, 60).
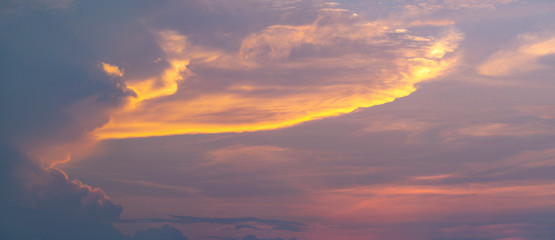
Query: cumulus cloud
point(52, 97)
point(52, 190)
point(56, 95)
point(30, 186)
point(40, 203)
point(524, 56)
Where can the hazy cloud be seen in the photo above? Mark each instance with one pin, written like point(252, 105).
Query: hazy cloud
point(524, 56)
point(11, 6)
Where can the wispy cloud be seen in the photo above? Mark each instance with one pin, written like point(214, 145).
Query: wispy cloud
point(522, 57)
point(282, 75)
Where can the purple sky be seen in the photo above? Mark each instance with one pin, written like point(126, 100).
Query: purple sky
point(289, 119)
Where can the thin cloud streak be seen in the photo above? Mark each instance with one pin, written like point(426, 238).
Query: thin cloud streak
point(275, 224)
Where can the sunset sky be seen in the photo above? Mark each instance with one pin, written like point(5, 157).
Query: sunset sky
point(277, 119)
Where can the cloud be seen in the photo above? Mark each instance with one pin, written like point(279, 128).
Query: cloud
point(474, 3)
point(436, 201)
point(222, 238)
point(11, 6)
point(249, 237)
point(282, 75)
point(25, 223)
point(501, 129)
point(246, 226)
point(508, 231)
point(30, 186)
point(524, 56)
point(164, 233)
point(40, 203)
point(518, 165)
point(56, 94)
point(253, 237)
point(267, 75)
point(539, 111)
point(52, 190)
point(275, 224)
point(112, 70)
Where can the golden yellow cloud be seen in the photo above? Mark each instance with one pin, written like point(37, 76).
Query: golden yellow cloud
point(281, 76)
point(111, 70)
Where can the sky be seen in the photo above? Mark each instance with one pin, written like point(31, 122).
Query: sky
point(283, 119)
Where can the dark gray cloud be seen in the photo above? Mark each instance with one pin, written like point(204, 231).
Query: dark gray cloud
point(29, 186)
point(248, 237)
point(53, 93)
point(246, 226)
point(164, 233)
point(45, 204)
point(253, 237)
point(222, 238)
point(274, 223)
point(28, 223)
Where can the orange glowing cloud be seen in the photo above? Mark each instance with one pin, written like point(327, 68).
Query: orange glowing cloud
point(396, 203)
point(522, 58)
point(111, 70)
point(281, 76)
